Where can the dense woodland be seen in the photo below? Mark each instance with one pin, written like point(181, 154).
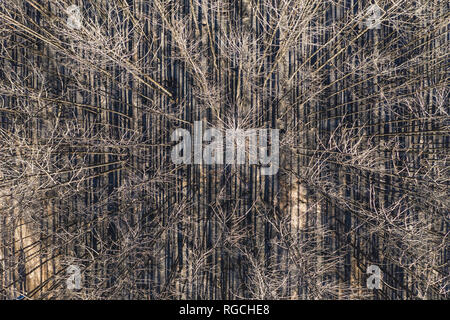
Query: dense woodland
point(86, 177)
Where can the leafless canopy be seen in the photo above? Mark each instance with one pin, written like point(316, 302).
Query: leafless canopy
point(86, 177)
